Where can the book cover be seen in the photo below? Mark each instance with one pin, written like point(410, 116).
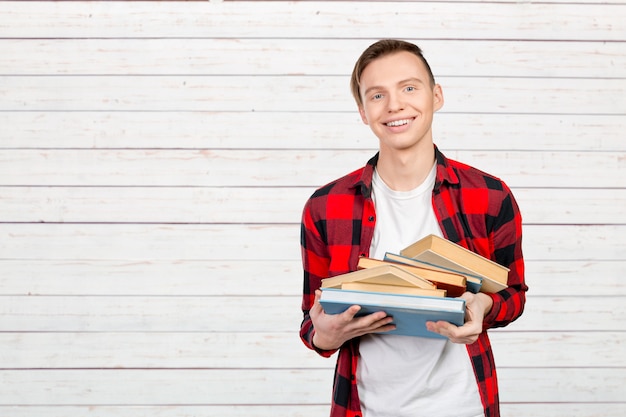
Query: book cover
point(410, 313)
point(438, 251)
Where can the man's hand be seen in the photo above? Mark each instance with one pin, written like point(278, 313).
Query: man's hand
point(333, 330)
point(476, 307)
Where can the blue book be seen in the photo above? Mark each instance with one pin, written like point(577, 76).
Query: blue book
point(410, 312)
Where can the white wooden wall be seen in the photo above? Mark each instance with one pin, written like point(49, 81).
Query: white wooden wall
point(154, 159)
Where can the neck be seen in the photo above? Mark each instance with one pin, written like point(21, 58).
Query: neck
point(405, 170)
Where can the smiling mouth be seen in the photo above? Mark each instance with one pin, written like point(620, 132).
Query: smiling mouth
point(398, 123)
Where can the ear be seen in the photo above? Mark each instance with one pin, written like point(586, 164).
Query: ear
point(437, 97)
point(363, 117)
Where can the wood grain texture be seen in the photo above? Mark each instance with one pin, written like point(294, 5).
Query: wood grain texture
point(299, 131)
point(318, 57)
point(601, 96)
point(326, 20)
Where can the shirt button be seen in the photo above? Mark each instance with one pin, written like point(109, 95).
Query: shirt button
point(371, 218)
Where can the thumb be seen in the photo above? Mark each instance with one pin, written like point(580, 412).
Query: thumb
point(317, 307)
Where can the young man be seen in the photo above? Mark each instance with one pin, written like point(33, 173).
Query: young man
point(408, 190)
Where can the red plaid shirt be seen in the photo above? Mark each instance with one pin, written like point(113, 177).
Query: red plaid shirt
point(474, 209)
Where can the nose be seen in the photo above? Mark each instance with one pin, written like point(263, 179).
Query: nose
point(394, 103)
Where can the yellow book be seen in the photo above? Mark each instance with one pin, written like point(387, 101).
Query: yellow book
point(441, 252)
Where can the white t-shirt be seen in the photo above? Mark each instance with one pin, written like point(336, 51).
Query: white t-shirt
point(404, 376)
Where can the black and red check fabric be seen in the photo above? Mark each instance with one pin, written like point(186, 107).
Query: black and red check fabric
point(474, 209)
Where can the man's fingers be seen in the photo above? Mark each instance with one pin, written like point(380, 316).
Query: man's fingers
point(441, 327)
point(351, 312)
point(378, 321)
point(464, 334)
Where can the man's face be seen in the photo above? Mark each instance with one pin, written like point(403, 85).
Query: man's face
point(398, 101)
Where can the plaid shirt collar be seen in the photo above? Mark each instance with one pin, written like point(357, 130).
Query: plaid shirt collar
point(445, 173)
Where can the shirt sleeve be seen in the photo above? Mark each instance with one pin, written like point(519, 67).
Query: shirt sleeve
point(508, 304)
point(315, 263)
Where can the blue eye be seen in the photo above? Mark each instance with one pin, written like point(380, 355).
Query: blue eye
point(410, 88)
point(377, 96)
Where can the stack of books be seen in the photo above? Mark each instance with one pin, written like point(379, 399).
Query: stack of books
point(417, 285)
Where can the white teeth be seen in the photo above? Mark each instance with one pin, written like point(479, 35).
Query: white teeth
point(398, 122)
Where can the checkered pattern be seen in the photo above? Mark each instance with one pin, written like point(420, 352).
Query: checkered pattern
point(474, 209)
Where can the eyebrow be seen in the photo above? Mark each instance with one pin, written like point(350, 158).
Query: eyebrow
point(408, 80)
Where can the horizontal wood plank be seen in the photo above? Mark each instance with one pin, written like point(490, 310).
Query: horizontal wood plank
point(149, 242)
point(169, 350)
point(150, 314)
point(177, 350)
point(299, 130)
point(327, 20)
point(286, 168)
point(603, 96)
point(133, 242)
point(157, 277)
point(258, 314)
point(189, 205)
point(589, 349)
point(166, 387)
point(573, 278)
point(153, 205)
point(572, 206)
point(559, 409)
point(221, 387)
point(576, 385)
point(302, 410)
point(218, 56)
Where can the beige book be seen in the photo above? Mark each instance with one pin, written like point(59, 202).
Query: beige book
point(387, 274)
point(454, 284)
point(393, 289)
point(444, 253)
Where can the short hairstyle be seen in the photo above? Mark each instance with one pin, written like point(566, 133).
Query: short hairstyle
point(379, 49)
